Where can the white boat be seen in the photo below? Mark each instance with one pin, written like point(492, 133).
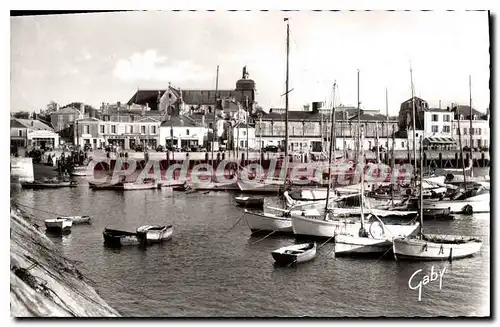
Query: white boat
point(77, 219)
point(351, 244)
point(294, 254)
point(81, 171)
point(307, 197)
point(214, 186)
point(476, 204)
point(270, 222)
point(266, 186)
point(58, 224)
point(155, 233)
point(146, 184)
point(435, 247)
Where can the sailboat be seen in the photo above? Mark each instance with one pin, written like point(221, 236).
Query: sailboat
point(268, 222)
point(329, 228)
point(369, 241)
point(434, 246)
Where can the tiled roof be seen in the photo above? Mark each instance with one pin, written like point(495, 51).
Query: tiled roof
point(242, 125)
point(88, 119)
point(178, 121)
point(146, 96)
point(416, 99)
point(34, 124)
point(465, 110)
point(16, 124)
point(296, 115)
point(369, 117)
point(207, 97)
point(437, 110)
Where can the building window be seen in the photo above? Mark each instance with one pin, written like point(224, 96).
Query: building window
point(20, 133)
point(471, 131)
point(446, 129)
point(478, 131)
point(465, 131)
point(132, 118)
point(446, 118)
point(435, 118)
point(86, 129)
point(242, 144)
point(153, 129)
point(187, 131)
point(209, 109)
point(113, 129)
point(435, 128)
point(131, 129)
point(244, 133)
point(403, 144)
point(143, 129)
point(101, 129)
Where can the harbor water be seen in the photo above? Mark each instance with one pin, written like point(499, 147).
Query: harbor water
point(206, 271)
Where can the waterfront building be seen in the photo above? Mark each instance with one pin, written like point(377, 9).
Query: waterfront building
point(239, 137)
point(480, 128)
point(309, 130)
point(181, 131)
point(124, 134)
point(32, 133)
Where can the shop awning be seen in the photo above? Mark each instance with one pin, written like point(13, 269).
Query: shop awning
point(435, 140)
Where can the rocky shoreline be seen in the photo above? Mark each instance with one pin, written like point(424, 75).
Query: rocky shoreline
point(43, 283)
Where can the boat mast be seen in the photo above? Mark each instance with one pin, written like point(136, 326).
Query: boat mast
point(359, 120)
point(387, 114)
point(246, 116)
point(260, 139)
point(286, 96)
point(362, 231)
point(460, 145)
point(332, 150)
point(215, 115)
point(470, 131)
point(421, 227)
point(377, 142)
point(414, 124)
point(392, 164)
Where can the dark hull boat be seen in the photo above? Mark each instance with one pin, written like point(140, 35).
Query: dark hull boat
point(294, 254)
point(118, 238)
point(47, 185)
point(249, 202)
point(77, 220)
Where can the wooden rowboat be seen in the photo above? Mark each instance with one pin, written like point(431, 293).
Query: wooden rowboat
point(77, 219)
point(155, 233)
point(118, 238)
point(294, 254)
point(249, 202)
point(59, 225)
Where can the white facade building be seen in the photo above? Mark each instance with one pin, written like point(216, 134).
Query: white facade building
point(240, 131)
point(181, 131)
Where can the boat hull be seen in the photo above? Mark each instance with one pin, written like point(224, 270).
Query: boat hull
point(352, 245)
point(266, 222)
point(289, 255)
point(114, 238)
point(37, 186)
point(264, 187)
point(417, 249)
point(58, 225)
point(77, 220)
point(247, 202)
point(230, 186)
point(155, 236)
point(475, 204)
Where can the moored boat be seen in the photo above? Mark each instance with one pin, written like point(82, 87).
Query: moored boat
point(266, 186)
point(48, 184)
point(76, 220)
point(435, 247)
point(294, 254)
point(268, 222)
point(59, 225)
point(479, 203)
point(155, 233)
point(249, 202)
point(118, 238)
point(81, 171)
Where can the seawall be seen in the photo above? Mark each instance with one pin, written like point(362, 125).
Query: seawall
point(43, 283)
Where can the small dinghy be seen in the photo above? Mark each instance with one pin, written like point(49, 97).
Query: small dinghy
point(181, 187)
point(118, 238)
point(77, 220)
point(58, 225)
point(48, 184)
point(293, 254)
point(155, 233)
point(248, 202)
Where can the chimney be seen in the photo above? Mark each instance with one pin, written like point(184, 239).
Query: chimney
point(316, 106)
point(57, 106)
point(82, 109)
point(129, 107)
point(203, 120)
point(147, 106)
point(119, 105)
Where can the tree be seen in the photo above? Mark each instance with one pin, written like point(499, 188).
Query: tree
point(51, 107)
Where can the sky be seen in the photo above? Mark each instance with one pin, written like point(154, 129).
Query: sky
point(106, 57)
